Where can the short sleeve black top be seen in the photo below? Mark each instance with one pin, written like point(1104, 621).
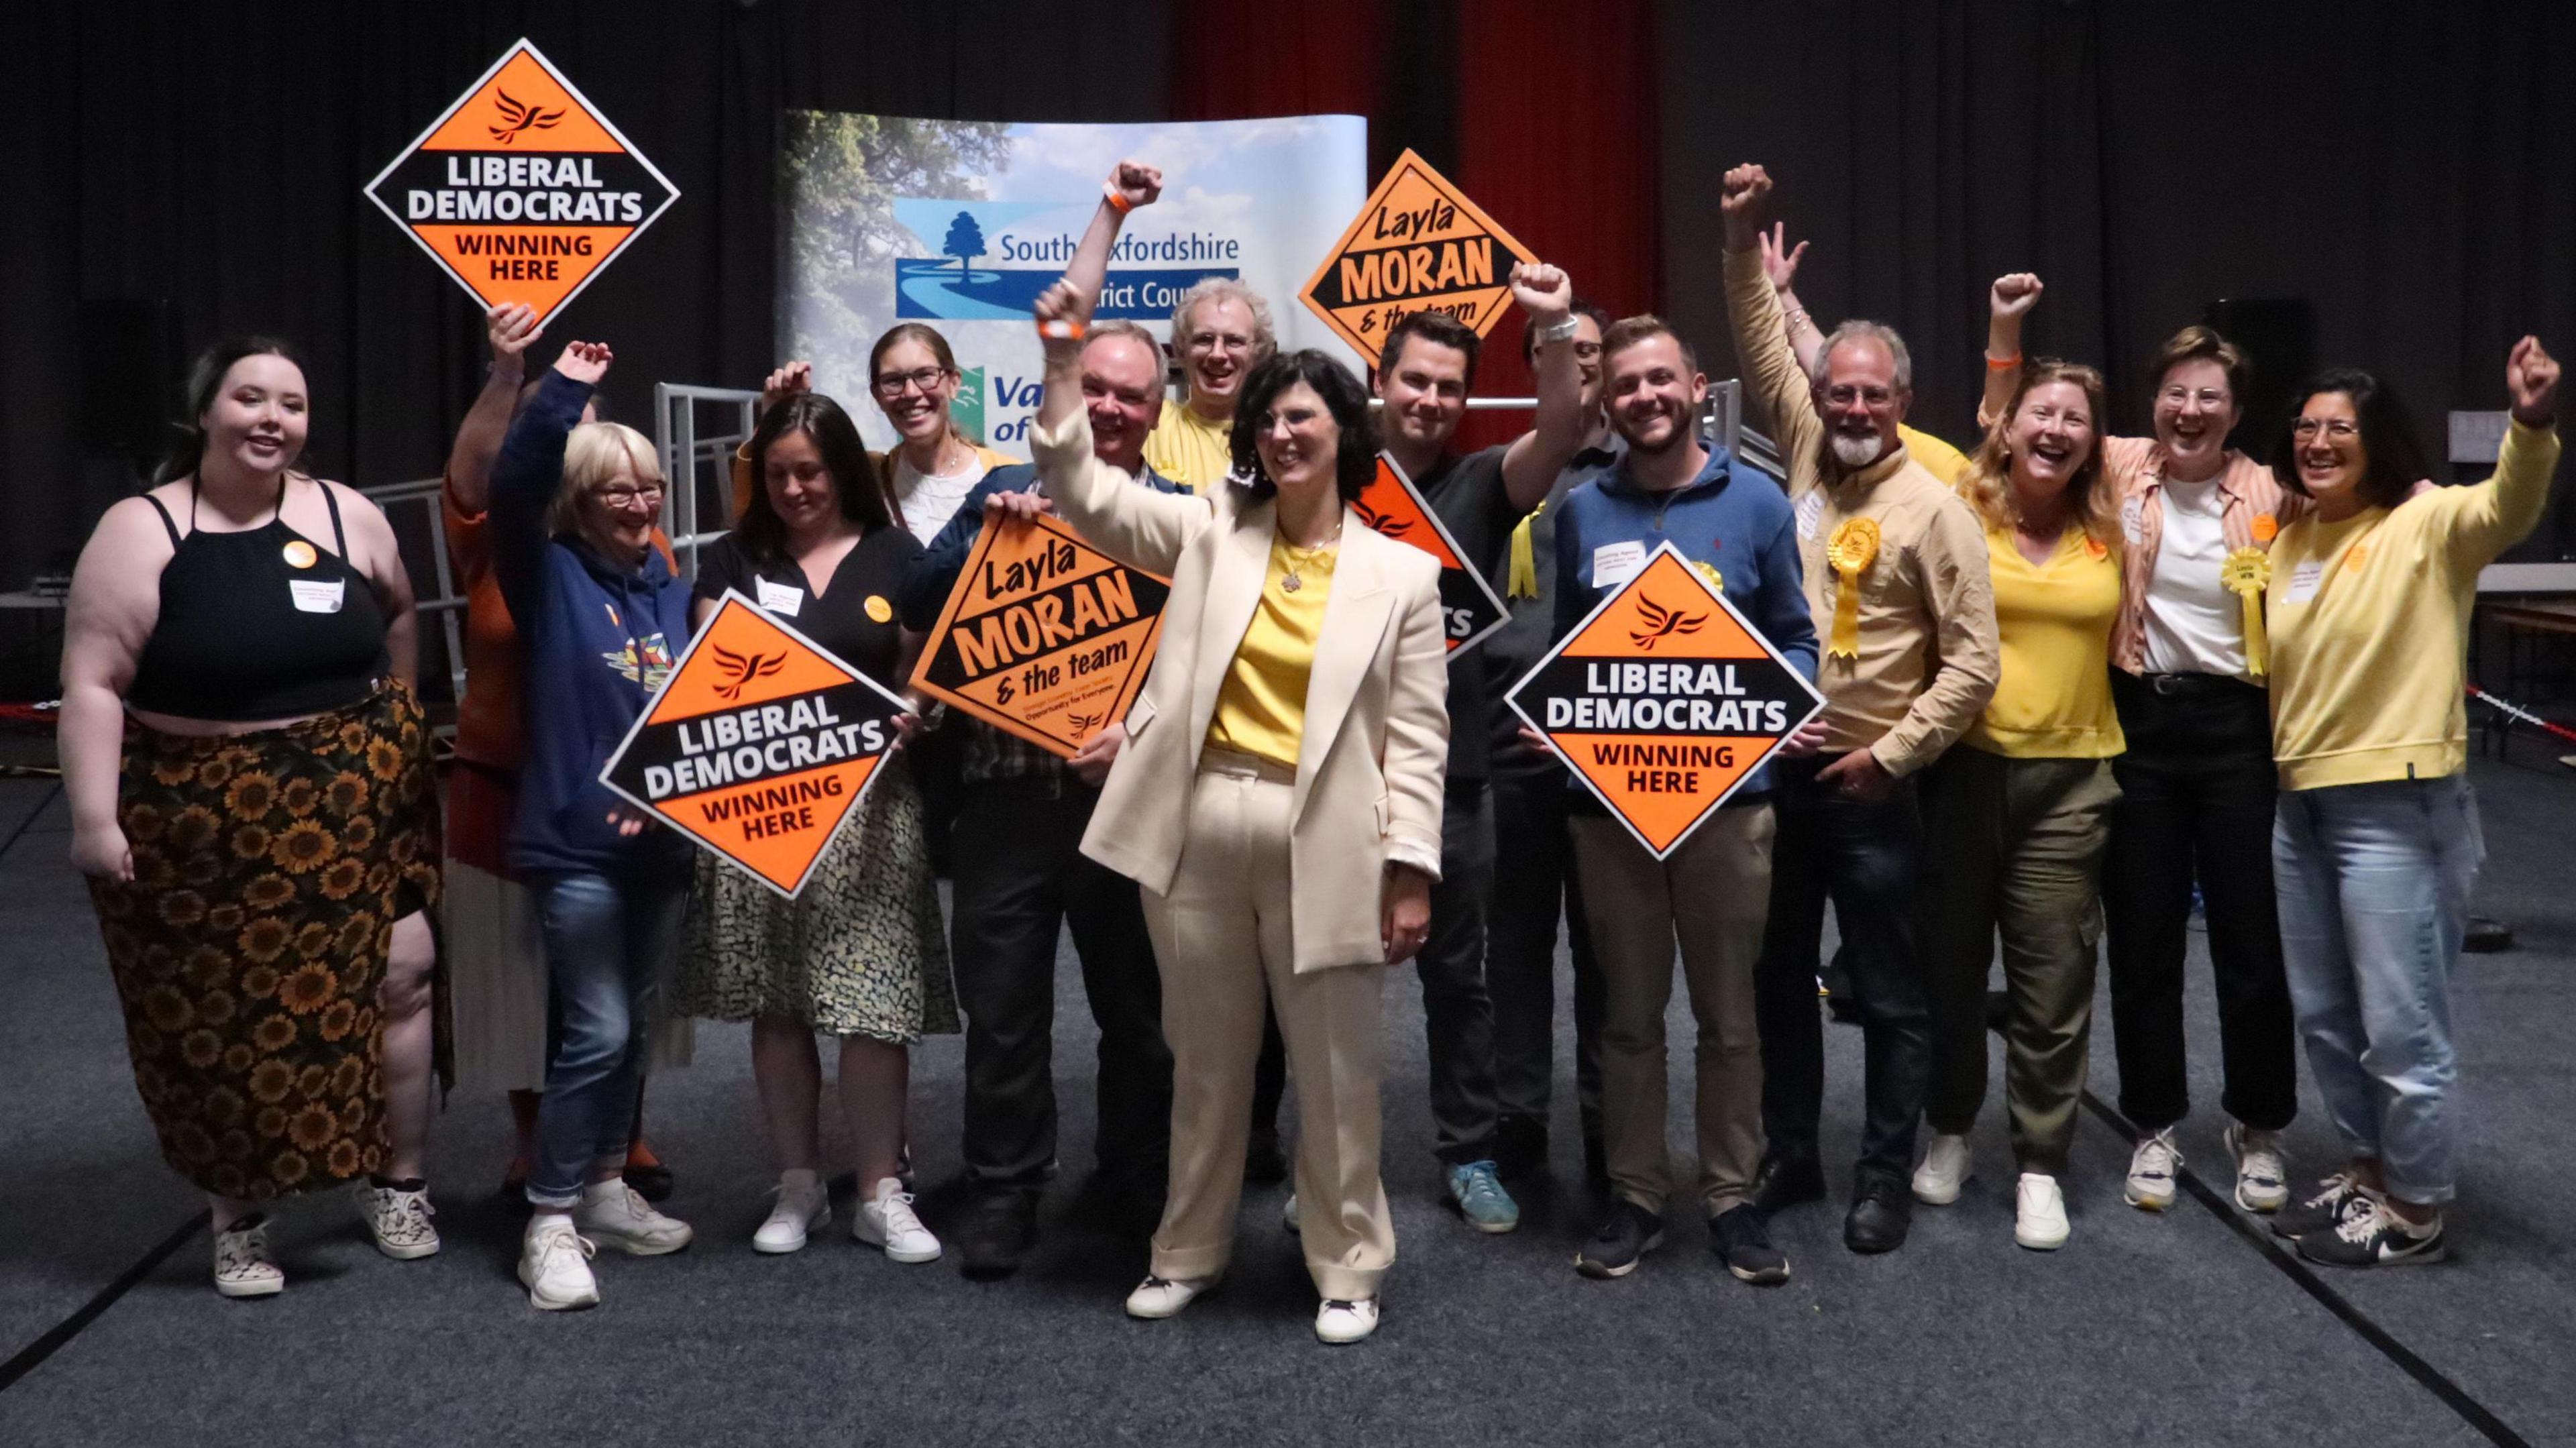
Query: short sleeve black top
point(854, 616)
point(1468, 494)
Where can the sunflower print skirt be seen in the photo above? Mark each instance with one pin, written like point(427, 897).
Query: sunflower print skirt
point(249, 948)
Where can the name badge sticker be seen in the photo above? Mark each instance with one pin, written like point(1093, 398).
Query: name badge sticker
point(314, 595)
point(1613, 564)
point(2304, 582)
point(780, 597)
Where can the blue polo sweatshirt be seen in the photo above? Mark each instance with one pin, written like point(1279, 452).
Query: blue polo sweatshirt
point(1731, 517)
point(597, 641)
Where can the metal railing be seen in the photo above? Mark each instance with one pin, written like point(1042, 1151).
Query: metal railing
point(693, 460)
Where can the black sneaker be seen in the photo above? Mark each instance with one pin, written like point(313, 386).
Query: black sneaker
point(1627, 1233)
point(1262, 1163)
point(2337, 1197)
point(1741, 1237)
point(1882, 1212)
point(1520, 1147)
point(2374, 1237)
point(998, 1231)
point(1786, 1181)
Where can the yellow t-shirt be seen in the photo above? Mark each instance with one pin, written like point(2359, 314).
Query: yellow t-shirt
point(2368, 620)
point(1261, 710)
point(1188, 449)
point(1937, 457)
point(2053, 697)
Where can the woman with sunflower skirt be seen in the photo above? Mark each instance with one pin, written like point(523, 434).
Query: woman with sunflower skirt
point(248, 774)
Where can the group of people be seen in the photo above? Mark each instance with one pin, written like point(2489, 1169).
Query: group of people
point(2065, 675)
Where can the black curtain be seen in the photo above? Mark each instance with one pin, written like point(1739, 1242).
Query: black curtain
point(209, 158)
point(2409, 170)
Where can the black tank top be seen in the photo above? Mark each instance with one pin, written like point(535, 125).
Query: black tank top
point(260, 624)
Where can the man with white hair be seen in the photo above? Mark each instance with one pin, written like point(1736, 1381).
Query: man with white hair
point(1220, 331)
point(1896, 578)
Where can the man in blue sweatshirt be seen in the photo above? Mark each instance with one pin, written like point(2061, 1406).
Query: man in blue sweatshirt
point(1710, 895)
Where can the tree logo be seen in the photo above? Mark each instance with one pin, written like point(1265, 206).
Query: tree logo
point(965, 241)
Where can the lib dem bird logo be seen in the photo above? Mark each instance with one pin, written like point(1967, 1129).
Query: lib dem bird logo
point(1660, 621)
point(1082, 723)
point(740, 671)
point(1380, 523)
point(520, 118)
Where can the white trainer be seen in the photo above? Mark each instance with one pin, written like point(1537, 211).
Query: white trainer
point(1288, 1215)
point(1339, 1322)
point(398, 1220)
point(1156, 1298)
point(2153, 1167)
point(2262, 1179)
point(2039, 1213)
point(886, 1220)
point(1944, 1169)
point(803, 1205)
point(554, 1265)
point(616, 1215)
point(243, 1267)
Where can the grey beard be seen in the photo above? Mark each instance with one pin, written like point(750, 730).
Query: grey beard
point(1856, 453)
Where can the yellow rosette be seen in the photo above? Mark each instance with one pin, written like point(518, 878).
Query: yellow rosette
point(1716, 580)
point(1522, 579)
point(1851, 549)
point(2246, 573)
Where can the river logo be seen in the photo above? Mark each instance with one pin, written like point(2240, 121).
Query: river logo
point(987, 261)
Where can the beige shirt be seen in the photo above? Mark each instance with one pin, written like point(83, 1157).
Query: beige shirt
point(1928, 656)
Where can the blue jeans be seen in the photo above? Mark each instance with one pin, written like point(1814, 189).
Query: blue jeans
point(608, 946)
point(2374, 882)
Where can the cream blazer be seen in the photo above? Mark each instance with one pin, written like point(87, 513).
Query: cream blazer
point(1376, 741)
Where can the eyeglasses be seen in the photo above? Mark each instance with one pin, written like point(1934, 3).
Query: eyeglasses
point(625, 497)
point(1219, 341)
point(1846, 394)
point(2341, 429)
point(927, 379)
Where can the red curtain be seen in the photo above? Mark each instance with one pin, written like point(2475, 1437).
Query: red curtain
point(1307, 58)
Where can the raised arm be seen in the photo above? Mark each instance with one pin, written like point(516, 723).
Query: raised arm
point(512, 329)
point(115, 598)
point(1135, 525)
point(2485, 520)
point(2007, 302)
point(1771, 371)
point(1128, 187)
point(1532, 462)
point(1780, 266)
point(529, 469)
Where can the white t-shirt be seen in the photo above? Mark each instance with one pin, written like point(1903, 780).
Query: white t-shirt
point(930, 499)
point(2193, 624)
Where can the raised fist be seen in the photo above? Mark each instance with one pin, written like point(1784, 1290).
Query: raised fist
point(1544, 291)
point(2531, 376)
point(1744, 200)
point(1136, 185)
point(2014, 294)
point(785, 383)
point(512, 328)
point(585, 362)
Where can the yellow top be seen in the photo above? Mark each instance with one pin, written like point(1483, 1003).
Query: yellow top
point(1188, 449)
point(2370, 618)
point(1937, 457)
point(2053, 697)
point(1261, 710)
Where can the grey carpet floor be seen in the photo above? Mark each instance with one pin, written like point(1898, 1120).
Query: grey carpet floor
point(2145, 1329)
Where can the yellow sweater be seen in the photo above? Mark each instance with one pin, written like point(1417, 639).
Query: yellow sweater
point(1188, 449)
point(2369, 621)
point(2053, 694)
point(1261, 707)
point(1937, 457)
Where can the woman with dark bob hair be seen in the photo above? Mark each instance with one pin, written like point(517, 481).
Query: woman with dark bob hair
point(859, 953)
point(2376, 846)
point(1300, 686)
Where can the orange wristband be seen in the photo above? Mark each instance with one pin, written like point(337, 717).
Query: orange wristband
point(1117, 203)
point(2004, 364)
point(1061, 330)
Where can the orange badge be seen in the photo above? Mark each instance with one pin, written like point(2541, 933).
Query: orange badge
point(299, 554)
point(2095, 548)
point(1417, 245)
point(1391, 505)
point(758, 746)
point(2357, 555)
point(1663, 700)
point(522, 190)
point(2266, 528)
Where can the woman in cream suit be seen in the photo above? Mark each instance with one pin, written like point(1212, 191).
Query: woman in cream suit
point(1278, 797)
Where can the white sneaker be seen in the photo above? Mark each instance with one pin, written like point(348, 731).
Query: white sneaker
point(2262, 1180)
point(1156, 1298)
point(1288, 1215)
point(2152, 1170)
point(243, 1267)
point(1944, 1168)
point(803, 1205)
point(1338, 1322)
point(616, 1215)
point(886, 1220)
point(554, 1265)
point(399, 1220)
point(2039, 1213)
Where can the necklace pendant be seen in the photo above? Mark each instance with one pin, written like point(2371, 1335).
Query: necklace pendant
point(1290, 583)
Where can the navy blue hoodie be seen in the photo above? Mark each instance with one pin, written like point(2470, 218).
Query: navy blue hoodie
point(598, 641)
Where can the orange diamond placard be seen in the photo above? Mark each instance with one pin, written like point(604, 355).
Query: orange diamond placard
point(1417, 245)
point(758, 746)
point(1044, 636)
point(1664, 699)
point(1469, 607)
point(522, 190)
